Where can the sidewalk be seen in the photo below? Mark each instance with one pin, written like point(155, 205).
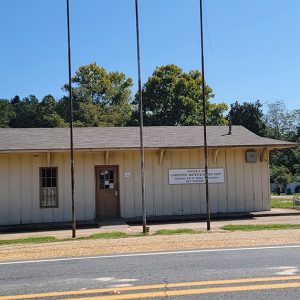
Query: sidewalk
point(275, 216)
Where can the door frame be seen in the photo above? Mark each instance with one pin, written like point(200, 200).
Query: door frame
point(118, 190)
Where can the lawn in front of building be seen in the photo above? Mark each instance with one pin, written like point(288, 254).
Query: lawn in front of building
point(285, 201)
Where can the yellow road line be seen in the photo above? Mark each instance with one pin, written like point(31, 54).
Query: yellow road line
point(153, 286)
point(196, 291)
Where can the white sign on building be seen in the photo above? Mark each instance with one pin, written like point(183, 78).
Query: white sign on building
point(188, 176)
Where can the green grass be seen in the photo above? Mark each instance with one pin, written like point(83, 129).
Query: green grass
point(260, 227)
point(30, 240)
point(282, 203)
point(108, 235)
point(177, 231)
point(47, 239)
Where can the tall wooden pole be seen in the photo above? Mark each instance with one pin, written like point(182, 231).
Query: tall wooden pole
point(71, 125)
point(141, 116)
point(204, 122)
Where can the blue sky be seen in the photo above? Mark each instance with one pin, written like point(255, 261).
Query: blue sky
point(252, 47)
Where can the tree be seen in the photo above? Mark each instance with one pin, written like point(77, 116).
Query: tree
point(7, 112)
point(27, 112)
point(296, 165)
point(249, 115)
point(49, 116)
point(101, 98)
point(282, 123)
point(280, 175)
point(173, 97)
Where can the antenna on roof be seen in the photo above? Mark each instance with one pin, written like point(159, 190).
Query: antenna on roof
point(145, 229)
point(71, 125)
point(204, 122)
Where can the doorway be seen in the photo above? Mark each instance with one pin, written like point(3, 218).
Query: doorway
point(107, 192)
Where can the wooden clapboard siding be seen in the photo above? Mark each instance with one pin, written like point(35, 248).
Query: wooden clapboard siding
point(158, 204)
point(149, 161)
point(239, 181)
point(200, 155)
point(246, 186)
point(257, 188)
point(15, 189)
point(26, 187)
point(230, 180)
point(186, 200)
point(129, 184)
point(176, 188)
point(265, 182)
point(5, 205)
point(136, 174)
point(222, 187)
point(213, 188)
point(195, 188)
point(167, 189)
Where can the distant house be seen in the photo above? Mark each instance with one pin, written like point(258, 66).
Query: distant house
point(35, 172)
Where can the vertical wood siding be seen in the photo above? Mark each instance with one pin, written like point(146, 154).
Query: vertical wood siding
point(246, 186)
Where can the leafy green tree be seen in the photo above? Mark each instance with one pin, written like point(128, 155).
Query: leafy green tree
point(49, 116)
point(296, 165)
point(281, 175)
point(173, 97)
point(7, 112)
point(101, 98)
point(27, 112)
point(249, 115)
point(282, 123)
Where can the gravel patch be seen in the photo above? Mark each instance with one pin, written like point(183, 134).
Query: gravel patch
point(213, 239)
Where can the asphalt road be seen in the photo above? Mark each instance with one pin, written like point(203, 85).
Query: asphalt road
point(246, 273)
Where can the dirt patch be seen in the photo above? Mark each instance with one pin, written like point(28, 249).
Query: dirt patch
point(214, 239)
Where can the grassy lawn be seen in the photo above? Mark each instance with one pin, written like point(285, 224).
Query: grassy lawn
point(30, 240)
point(108, 235)
point(101, 235)
point(286, 201)
point(260, 227)
point(177, 231)
point(47, 239)
point(281, 203)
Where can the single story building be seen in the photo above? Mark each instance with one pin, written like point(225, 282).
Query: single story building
point(35, 172)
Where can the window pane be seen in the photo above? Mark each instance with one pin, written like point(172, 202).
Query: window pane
point(43, 182)
point(48, 191)
point(48, 172)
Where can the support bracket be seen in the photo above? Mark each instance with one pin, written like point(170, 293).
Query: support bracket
point(263, 154)
point(161, 155)
point(215, 155)
point(48, 159)
point(106, 157)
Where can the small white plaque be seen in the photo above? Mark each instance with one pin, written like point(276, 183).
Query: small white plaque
point(127, 174)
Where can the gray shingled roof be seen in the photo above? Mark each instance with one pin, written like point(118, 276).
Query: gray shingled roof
point(35, 139)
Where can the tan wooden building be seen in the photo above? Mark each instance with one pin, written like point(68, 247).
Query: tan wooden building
point(35, 172)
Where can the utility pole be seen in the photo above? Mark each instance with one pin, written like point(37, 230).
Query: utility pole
point(141, 116)
point(204, 122)
point(71, 125)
